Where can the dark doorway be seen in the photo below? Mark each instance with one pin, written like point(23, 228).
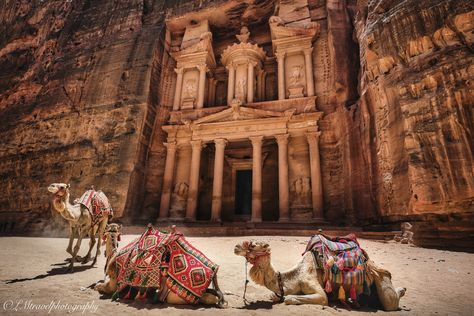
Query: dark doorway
point(243, 193)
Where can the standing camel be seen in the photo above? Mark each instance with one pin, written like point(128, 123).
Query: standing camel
point(80, 221)
point(303, 284)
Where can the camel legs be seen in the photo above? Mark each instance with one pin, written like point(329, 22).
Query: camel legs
point(76, 249)
point(101, 228)
point(72, 232)
point(317, 296)
point(388, 295)
point(92, 232)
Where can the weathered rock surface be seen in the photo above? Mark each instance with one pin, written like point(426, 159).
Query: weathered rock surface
point(86, 85)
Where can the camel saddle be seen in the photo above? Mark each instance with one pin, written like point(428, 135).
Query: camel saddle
point(341, 258)
point(160, 260)
point(97, 204)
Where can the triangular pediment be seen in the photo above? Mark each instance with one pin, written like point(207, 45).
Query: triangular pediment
point(240, 113)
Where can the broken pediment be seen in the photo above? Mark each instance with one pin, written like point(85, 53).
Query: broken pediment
point(237, 112)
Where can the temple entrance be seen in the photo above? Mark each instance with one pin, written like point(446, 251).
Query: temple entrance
point(243, 194)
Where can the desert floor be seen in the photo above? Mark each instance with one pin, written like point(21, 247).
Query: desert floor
point(33, 273)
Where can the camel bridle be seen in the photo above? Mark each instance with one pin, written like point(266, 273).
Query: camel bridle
point(252, 258)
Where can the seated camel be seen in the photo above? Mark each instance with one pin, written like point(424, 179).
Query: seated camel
point(148, 268)
point(86, 216)
point(304, 283)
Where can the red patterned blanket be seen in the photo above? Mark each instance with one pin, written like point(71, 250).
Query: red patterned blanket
point(157, 259)
point(97, 204)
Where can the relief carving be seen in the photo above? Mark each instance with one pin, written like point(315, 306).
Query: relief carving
point(241, 88)
point(178, 199)
point(189, 93)
point(296, 87)
point(302, 193)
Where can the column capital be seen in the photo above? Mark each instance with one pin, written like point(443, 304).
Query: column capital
point(220, 142)
point(280, 56)
point(256, 140)
point(230, 66)
point(313, 137)
point(171, 145)
point(197, 144)
point(179, 70)
point(282, 139)
point(202, 67)
point(308, 51)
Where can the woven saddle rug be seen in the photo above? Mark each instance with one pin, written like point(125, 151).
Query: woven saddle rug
point(157, 259)
point(97, 204)
point(343, 261)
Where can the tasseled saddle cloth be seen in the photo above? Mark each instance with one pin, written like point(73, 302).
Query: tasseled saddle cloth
point(97, 204)
point(343, 262)
point(163, 261)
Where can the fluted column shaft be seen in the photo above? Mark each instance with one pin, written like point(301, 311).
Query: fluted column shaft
point(250, 85)
point(218, 176)
point(283, 189)
point(257, 178)
point(202, 84)
point(193, 191)
point(281, 75)
point(230, 84)
point(316, 181)
point(309, 71)
point(167, 179)
point(177, 91)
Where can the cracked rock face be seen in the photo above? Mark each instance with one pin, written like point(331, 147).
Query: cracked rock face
point(83, 95)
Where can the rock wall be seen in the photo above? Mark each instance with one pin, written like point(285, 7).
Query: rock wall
point(74, 100)
point(416, 104)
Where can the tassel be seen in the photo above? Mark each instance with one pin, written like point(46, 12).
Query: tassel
point(115, 296)
point(328, 287)
point(342, 293)
point(353, 293)
point(127, 296)
point(141, 295)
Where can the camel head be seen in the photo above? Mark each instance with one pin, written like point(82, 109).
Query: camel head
point(59, 189)
point(112, 232)
point(252, 250)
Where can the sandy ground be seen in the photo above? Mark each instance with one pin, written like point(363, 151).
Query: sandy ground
point(32, 273)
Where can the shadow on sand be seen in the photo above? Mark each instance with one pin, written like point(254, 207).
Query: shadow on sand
point(59, 268)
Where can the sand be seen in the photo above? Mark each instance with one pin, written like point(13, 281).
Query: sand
point(34, 280)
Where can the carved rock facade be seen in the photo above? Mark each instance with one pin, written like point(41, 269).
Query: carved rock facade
point(87, 87)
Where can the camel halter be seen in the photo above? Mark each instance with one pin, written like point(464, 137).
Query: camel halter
point(252, 260)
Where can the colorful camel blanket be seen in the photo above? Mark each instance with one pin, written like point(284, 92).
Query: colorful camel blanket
point(97, 204)
point(343, 260)
point(157, 259)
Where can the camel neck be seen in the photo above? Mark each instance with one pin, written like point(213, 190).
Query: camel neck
point(263, 273)
point(66, 209)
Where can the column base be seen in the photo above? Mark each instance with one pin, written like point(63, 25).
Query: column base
point(284, 220)
point(256, 220)
point(216, 220)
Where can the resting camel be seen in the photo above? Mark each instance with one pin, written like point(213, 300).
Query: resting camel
point(210, 297)
point(80, 223)
point(303, 284)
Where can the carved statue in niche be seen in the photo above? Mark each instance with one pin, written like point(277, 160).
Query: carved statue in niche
point(302, 193)
point(296, 87)
point(189, 93)
point(178, 199)
point(241, 88)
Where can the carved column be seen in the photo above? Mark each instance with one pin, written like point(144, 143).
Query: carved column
point(202, 84)
point(167, 179)
point(257, 178)
point(281, 75)
point(309, 71)
point(212, 92)
point(230, 83)
point(283, 189)
point(191, 205)
point(250, 84)
point(316, 181)
point(177, 91)
point(217, 184)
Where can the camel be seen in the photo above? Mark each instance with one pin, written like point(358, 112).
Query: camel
point(303, 284)
point(80, 223)
point(210, 297)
